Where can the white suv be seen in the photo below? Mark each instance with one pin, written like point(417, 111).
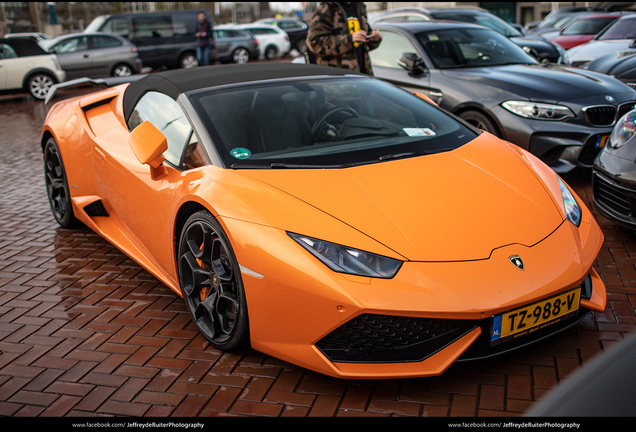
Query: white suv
point(272, 41)
point(26, 67)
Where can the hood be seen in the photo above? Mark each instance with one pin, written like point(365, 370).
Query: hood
point(540, 83)
point(453, 206)
point(595, 49)
point(614, 63)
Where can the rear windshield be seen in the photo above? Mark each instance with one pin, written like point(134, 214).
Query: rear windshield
point(328, 122)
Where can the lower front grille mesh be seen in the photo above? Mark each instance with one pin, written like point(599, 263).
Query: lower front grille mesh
point(385, 338)
point(610, 196)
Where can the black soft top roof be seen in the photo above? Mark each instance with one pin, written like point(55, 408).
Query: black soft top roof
point(24, 46)
point(178, 81)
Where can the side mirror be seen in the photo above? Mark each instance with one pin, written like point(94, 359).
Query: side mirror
point(519, 28)
point(633, 44)
point(411, 62)
point(148, 144)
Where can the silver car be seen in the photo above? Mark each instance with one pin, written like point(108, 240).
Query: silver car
point(95, 55)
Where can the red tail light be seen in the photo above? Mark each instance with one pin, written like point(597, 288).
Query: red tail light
point(133, 50)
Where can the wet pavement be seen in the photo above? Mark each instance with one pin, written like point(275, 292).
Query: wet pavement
point(84, 331)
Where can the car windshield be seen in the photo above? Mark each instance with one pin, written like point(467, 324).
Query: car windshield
point(323, 123)
point(588, 26)
point(486, 20)
point(549, 21)
point(621, 29)
point(471, 47)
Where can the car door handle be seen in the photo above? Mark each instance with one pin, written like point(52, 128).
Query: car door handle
point(86, 56)
point(436, 94)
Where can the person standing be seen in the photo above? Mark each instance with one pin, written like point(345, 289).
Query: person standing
point(205, 39)
point(340, 36)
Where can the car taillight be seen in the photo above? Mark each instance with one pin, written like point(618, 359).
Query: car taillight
point(287, 38)
point(133, 50)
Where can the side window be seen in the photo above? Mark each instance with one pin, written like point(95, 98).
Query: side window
point(167, 116)
point(416, 18)
point(184, 23)
point(105, 42)
point(256, 31)
point(118, 26)
point(72, 45)
point(220, 34)
point(235, 34)
point(194, 155)
point(390, 50)
point(391, 19)
point(7, 52)
point(153, 27)
point(289, 25)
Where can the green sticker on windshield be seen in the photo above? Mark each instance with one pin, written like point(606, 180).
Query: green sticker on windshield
point(240, 153)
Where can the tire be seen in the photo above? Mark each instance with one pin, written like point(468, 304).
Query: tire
point(211, 283)
point(39, 85)
point(480, 121)
point(57, 186)
point(121, 70)
point(301, 46)
point(271, 52)
point(188, 60)
point(240, 56)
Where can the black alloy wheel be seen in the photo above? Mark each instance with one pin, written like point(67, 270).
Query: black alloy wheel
point(57, 186)
point(480, 121)
point(211, 283)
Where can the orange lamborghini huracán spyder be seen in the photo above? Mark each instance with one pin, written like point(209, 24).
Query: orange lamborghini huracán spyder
point(326, 218)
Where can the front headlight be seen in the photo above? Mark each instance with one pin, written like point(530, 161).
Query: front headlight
point(573, 211)
point(624, 130)
point(347, 260)
point(538, 111)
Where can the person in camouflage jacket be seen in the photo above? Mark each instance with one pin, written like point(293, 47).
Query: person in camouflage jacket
point(334, 43)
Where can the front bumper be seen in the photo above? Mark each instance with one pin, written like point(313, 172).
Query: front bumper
point(561, 145)
point(614, 189)
point(296, 303)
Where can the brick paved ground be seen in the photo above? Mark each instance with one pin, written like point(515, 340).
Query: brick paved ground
point(84, 331)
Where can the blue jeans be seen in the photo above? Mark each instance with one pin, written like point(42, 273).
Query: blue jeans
point(203, 55)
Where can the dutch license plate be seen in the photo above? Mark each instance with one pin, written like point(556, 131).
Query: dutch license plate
point(532, 317)
point(601, 141)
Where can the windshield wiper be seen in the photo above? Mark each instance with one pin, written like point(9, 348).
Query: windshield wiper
point(396, 156)
point(278, 165)
point(409, 154)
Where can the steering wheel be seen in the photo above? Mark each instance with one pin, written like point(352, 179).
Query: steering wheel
point(317, 127)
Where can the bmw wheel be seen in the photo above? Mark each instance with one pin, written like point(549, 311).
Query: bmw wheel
point(480, 121)
point(57, 186)
point(39, 85)
point(211, 283)
point(121, 70)
point(240, 56)
point(301, 46)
